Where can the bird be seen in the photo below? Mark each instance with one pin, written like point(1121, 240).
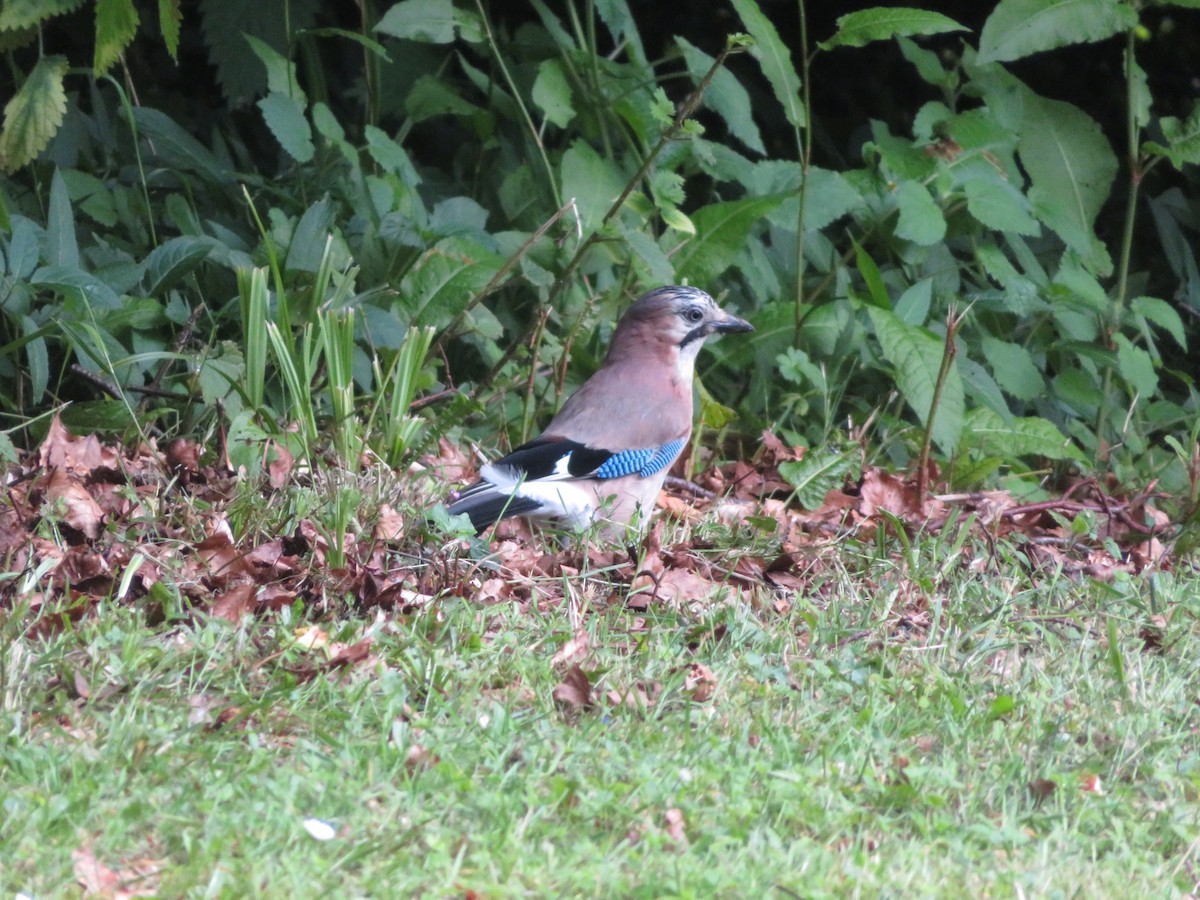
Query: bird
point(603, 458)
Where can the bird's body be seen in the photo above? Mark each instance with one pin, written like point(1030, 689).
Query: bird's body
point(604, 457)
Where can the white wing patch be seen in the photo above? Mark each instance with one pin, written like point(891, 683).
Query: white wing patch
point(556, 499)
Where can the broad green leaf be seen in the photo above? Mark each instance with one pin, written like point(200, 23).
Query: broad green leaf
point(1183, 139)
point(929, 64)
point(430, 97)
point(725, 96)
point(170, 262)
point(116, 26)
point(285, 118)
point(1162, 314)
point(427, 21)
point(775, 59)
point(170, 16)
point(1014, 369)
point(921, 219)
point(996, 204)
point(177, 149)
point(62, 248)
point(18, 14)
point(281, 71)
point(857, 29)
point(648, 258)
point(307, 246)
point(1019, 28)
point(1139, 91)
point(85, 288)
point(593, 182)
point(877, 290)
point(1071, 167)
point(829, 195)
point(913, 305)
point(446, 280)
point(1136, 367)
point(618, 19)
point(818, 472)
point(552, 93)
point(37, 358)
point(986, 434)
point(34, 114)
point(721, 232)
point(916, 358)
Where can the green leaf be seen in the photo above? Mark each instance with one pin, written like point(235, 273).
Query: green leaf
point(1018, 28)
point(285, 118)
point(552, 93)
point(429, 97)
point(721, 232)
point(877, 290)
point(1136, 367)
point(916, 358)
point(307, 246)
point(170, 16)
point(37, 358)
point(390, 155)
point(592, 182)
point(996, 204)
point(816, 474)
point(1014, 369)
point(18, 14)
point(1162, 314)
point(986, 434)
point(430, 22)
point(1139, 92)
point(929, 64)
point(1183, 139)
point(32, 117)
point(725, 96)
point(446, 280)
point(921, 219)
point(171, 262)
point(858, 29)
point(83, 287)
point(62, 248)
point(281, 71)
point(116, 26)
point(775, 59)
point(1071, 167)
point(177, 149)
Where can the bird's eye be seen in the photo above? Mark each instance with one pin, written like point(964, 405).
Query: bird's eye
point(693, 314)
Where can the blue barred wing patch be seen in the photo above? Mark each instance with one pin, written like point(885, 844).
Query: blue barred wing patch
point(641, 462)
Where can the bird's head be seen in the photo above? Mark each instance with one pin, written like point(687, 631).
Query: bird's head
point(682, 315)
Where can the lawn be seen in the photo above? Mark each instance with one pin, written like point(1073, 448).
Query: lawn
point(915, 729)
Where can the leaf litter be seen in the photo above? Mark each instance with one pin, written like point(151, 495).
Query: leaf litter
point(86, 521)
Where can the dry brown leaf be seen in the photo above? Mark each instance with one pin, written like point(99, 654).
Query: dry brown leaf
point(574, 651)
point(62, 450)
point(390, 526)
point(235, 603)
point(1041, 788)
point(700, 682)
point(574, 692)
point(136, 878)
point(79, 509)
point(419, 757)
point(279, 468)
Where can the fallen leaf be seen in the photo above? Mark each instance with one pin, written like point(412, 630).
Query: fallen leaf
point(390, 526)
point(574, 651)
point(235, 603)
point(1041, 788)
point(574, 692)
point(79, 508)
point(700, 682)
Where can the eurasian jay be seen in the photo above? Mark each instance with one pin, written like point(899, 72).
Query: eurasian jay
point(605, 456)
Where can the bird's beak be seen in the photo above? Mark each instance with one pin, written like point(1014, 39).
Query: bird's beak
point(731, 325)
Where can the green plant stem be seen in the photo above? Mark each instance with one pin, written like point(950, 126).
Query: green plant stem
point(805, 149)
point(1117, 310)
point(949, 351)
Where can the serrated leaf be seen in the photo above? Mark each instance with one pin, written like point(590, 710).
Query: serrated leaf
point(445, 281)
point(916, 358)
point(775, 59)
point(1162, 314)
point(816, 474)
point(34, 114)
point(1136, 367)
point(725, 96)
point(989, 435)
point(19, 14)
point(116, 26)
point(286, 121)
point(552, 93)
point(170, 17)
point(921, 219)
point(1013, 368)
point(1183, 139)
point(857, 29)
point(1018, 28)
point(281, 71)
point(721, 232)
point(677, 220)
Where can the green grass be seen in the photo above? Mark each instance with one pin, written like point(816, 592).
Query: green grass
point(876, 738)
